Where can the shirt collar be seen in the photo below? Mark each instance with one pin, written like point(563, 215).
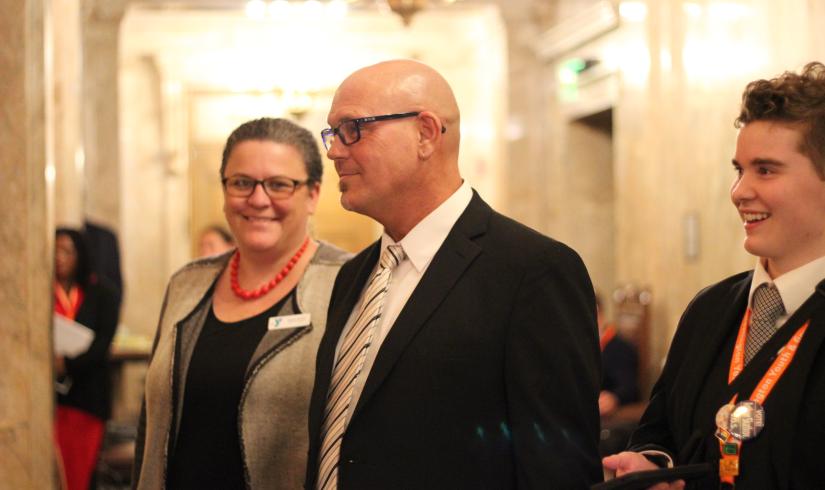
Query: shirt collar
point(424, 240)
point(794, 286)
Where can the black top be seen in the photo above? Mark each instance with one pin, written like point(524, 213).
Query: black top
point(208, 452)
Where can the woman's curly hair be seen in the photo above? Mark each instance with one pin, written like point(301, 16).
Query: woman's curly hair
point(795, 99)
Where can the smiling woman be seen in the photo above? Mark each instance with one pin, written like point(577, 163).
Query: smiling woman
point(239, 331)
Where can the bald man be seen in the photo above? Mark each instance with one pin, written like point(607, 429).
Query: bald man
point(461, 349)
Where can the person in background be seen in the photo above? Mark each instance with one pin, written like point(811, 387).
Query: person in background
point(620, 365)
point(462, 346)
point(620, 384)
point(84, 396)
point(214, 240)
point(238, 332)
point(743, 387)
point(104, 252)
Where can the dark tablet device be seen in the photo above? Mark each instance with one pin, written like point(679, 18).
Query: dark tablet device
point(640, 480)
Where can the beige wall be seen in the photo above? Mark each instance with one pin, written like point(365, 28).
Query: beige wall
point(68, 138)
point(145, 203)
point(101, 152)
point(680, 74)
point(584, 184)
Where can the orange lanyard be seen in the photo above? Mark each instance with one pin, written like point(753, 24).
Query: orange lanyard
point(607, 336)
point(67, 305)
point(777, 369)
point(729, 463)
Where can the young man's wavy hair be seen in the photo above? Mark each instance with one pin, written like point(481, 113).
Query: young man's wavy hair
point(794, 99)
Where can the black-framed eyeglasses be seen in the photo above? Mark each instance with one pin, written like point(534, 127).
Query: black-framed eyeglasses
point(349, 130)
point(277, 187)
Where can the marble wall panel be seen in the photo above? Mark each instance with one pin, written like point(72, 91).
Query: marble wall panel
point(68, 143)
point(526, 196)
point(586, 221)
point(678, 158)
point(100, 31)
point(146, 262)
point(25, 265)
point(681, 73)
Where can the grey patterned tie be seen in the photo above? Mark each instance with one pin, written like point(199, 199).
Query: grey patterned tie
point(351, 356)
point(767, 307)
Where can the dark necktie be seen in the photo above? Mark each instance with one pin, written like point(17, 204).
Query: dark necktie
point(767, 307)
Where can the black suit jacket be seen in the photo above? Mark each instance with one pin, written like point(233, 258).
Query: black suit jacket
point(489, 377)
point(693, 386)
point(91, 386)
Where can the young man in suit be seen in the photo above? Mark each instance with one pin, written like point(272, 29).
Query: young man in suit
point(744, 384)
point(467, 356)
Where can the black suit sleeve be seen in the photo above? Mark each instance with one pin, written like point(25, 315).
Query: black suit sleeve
point(553, 376)
point(654, 431)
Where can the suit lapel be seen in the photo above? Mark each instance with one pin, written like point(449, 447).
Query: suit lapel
point(706, 347)
point(448, 265)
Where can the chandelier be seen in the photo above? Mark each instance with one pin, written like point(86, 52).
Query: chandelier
point(405, 9)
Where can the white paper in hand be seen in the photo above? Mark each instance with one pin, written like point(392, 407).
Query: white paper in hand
point(71, 338)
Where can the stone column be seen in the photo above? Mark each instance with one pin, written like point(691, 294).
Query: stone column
point(68, 144)
point(174, 134)
point(26, 393)
point(525, 180)
point(100, 27)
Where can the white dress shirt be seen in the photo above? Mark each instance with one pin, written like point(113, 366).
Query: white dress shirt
point(420, 246)
point(794, 286)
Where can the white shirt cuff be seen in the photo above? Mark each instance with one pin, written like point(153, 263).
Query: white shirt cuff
point(653, 452)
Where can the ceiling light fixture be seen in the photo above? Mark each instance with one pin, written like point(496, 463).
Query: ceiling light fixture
point(406, 9)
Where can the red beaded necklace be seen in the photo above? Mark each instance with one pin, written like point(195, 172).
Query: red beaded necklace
point(257, 293)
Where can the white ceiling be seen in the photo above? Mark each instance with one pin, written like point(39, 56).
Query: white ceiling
point(225, 50)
